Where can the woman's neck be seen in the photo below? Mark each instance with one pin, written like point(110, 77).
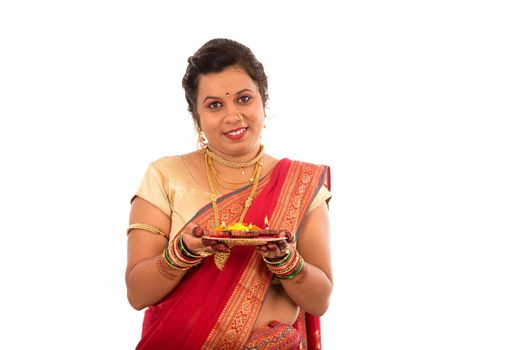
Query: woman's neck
point(236, 161)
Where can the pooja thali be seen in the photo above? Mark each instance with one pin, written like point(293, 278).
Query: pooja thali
point(241, 234)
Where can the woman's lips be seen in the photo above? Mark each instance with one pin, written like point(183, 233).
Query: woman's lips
point(235, 134)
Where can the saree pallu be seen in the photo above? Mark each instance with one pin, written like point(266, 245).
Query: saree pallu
point(213, 309)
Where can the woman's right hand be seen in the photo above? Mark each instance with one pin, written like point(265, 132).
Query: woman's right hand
point(192, 238)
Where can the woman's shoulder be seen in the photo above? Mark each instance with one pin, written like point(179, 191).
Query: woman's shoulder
point(167, 162)
point(177, 166)
point(169, 167)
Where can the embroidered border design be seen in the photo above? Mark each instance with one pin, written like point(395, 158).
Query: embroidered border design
point(297, 193)
point(275, 336)
point(235, 323)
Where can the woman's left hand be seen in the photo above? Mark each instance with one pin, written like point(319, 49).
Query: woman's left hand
point(278, 249)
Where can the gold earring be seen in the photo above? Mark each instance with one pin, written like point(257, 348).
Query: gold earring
point(201, 141)
point(241, 117)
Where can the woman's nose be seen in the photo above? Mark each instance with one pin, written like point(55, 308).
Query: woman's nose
point(232, 115)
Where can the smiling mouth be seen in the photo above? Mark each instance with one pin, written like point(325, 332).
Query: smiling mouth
point(236, 132)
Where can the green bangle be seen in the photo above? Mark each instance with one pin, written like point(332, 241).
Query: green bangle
point(171, 263)
point(185, 250)
point(294, 273)
point(168, 259)
point(279, 262)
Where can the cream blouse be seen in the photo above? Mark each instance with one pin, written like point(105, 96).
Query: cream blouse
point(168, 185)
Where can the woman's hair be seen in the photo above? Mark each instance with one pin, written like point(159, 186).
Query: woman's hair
point(215, 56)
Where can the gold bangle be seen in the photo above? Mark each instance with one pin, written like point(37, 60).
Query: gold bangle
point(294, 273)
point(172, 264)
point(160, 262)
point(185, 250)
point(173, 254)
point(283, 259)
point(292, 265)
point(154, 230)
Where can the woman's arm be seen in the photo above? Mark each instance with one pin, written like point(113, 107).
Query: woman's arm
point(148, 278)
point(311, 288)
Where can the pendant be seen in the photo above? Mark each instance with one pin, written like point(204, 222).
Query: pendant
point(242, 170)
point(220, 260)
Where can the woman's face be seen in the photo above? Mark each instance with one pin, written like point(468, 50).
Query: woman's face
point(220, 98)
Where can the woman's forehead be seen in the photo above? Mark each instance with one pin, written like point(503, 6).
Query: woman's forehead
point(232, 79)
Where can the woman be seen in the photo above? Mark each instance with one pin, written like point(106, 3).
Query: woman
point(202, 293)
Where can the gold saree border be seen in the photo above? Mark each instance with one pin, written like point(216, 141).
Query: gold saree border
point(236, 320)
point(299, 189)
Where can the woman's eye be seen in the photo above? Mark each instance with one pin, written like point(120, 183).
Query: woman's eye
point(244, 99)
point(215, 105)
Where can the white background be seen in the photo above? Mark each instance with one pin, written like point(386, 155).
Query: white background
point(416, 105)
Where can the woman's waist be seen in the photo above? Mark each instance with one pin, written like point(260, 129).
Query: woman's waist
point(277, 306)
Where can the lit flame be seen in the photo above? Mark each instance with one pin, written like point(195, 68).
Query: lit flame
point(266, 222)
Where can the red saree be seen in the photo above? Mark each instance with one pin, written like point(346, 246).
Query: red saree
point(213, 309)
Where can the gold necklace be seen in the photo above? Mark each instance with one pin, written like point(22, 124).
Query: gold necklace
point(213, 184)
point(221, 182)
point(235, 165)
point(221, 258)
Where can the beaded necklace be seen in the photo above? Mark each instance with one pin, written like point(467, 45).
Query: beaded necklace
point(235, 165)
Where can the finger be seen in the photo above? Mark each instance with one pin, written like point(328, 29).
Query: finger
point(282, 245)
point(208, 242)
point(206, 252)
point(290, 237)
point(189, 228)
point(220, 247)
point(272, 247)
point(198, 231)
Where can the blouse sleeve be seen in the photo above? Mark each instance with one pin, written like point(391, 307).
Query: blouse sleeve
point(154, 189)
point(323, 195)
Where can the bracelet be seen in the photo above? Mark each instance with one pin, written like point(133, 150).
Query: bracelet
point(294, 273)
point(171, 263)
point(176, 255)
point(164, 270)
point(281, 261)
point(288, 267)
point(178, 247)
point(149, 228)
point(177, 259)
point(185, 250)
